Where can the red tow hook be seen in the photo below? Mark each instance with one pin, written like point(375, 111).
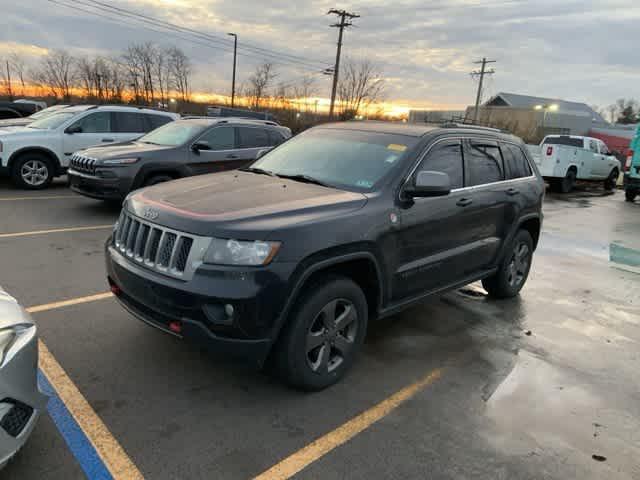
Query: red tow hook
point(175, 326)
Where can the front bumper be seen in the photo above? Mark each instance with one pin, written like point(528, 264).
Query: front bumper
point(198, 305)
point(98, 187)
point(21, 402)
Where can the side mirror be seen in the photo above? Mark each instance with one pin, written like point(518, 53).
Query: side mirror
point(263, 152)
point(200, 145)
point(428, 184)
point(73, 129)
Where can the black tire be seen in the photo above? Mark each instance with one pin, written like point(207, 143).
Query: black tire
point(630, 195)
point(514, 270)
point(611, 182)
point(298, 360)
point(556, 185)
point(568, 182)
point(155, 179)
point(32, 171)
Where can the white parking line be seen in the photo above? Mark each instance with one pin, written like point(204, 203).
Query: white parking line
point(55, 230)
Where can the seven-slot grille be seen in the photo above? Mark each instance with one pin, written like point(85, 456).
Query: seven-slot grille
point(161, 249)
point(83, 164)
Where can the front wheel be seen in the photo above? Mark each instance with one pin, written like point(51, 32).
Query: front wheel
point(514, 270)
point(156, 179)
point(611, 181)
point(324, 334)
point(32, 171)
point(630, 195)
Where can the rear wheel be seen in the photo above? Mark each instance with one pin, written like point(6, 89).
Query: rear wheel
point(32, 171)
point(514, 270)
point(324, 334)
point(630, 195)
point(568, 182)
point(612, 180)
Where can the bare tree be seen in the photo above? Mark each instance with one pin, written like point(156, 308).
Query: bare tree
point(180, 69)
point(360, 85)
point(57, 73)
point(139, 60)
point(259, 82)
point(627, 111)
point(5, 78)
point(162, 74)
point(19, 67)
point(303, 91)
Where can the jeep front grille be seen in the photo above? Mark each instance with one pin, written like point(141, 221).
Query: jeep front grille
point(83, 164)
point(158, 248)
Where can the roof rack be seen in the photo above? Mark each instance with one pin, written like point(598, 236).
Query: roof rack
point(467, 125)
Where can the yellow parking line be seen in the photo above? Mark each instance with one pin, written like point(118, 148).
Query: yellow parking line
point(55, 230)
point(298, 461)
point(112, 454)
point(67, 303)
point(49, 197)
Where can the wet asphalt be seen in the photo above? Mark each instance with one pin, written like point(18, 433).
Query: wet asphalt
point(531, 388)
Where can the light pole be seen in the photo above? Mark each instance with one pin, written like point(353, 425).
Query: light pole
point(233, 83)
point(553, 107)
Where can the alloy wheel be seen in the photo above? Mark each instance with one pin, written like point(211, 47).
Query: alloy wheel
point(519, 264)
point(34, 172)
point(331, 336)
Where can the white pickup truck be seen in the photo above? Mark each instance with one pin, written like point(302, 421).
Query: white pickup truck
point(563, 159)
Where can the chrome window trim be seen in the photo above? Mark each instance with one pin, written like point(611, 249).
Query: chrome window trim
point(474, 187)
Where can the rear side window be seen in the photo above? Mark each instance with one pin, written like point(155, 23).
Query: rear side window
point(571, 142)
point(516, 164)
point(98, 122)
point(483, 164)
point(446, 157)
point(129, 122)
point(252, 137)
point(156, 121)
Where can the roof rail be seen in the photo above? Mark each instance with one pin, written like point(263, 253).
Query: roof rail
point(467, 125)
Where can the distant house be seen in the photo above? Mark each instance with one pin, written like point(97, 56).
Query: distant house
point(534, 117)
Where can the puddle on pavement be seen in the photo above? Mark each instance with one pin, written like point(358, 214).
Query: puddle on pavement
point(539, 407)
point(624, 257)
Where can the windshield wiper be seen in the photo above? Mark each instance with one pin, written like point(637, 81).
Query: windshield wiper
point(304, 179)
point(257, 170)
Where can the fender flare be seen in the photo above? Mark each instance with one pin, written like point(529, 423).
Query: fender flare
point(39, 149)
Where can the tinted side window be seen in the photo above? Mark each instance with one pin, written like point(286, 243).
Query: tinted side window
point(156, 121)
point(129, 122)
point(446, 157)
point(593, 146)
point(275, 138)
point(98, 122)
point(516, 164)
point(483, 164)
point(220, 138)
point(252, 137)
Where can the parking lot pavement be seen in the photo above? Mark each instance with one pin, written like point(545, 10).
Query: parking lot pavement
point(527, 388)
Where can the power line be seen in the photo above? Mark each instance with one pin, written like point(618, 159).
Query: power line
point(345, 22)
point(247, 50)
point(483, 71)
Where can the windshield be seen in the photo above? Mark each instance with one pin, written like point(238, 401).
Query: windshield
point(50, 122)
point(173, 134)
point(46, 112)
point(346, 159)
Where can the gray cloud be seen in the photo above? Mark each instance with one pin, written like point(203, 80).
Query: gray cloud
point(580, 50)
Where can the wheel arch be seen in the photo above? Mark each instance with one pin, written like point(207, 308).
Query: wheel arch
point(533, 225)
point(41, 150)
point(148, 171)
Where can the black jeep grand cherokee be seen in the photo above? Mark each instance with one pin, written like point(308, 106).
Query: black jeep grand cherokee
point(289, 259)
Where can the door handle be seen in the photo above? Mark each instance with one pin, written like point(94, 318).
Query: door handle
point(512, 191)
point(107, 140)
point(231, 157)
point(464, 202)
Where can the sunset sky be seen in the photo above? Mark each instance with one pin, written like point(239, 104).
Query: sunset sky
point(578, 50)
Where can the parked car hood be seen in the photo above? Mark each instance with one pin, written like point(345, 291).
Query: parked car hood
point(122, 150)
point(239, 204)
point(10, 312)
point(15, 122)
point(15, 131)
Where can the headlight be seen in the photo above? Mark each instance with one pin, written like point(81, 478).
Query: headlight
point(119, 161)
point(236, 252)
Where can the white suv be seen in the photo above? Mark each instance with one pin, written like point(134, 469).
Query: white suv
point(35, 154)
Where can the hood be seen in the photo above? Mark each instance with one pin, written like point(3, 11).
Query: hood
point(124, 149)
point(19, 130)
point(10, 312)
point(15, 122)
point(240, 204)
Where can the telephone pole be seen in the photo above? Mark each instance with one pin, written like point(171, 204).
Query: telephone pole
point(235, 56)
point(345, 22)
point(483, 71)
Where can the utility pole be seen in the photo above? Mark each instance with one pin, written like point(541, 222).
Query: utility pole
point(345, 22)
point(483, 71)
point(235, 56)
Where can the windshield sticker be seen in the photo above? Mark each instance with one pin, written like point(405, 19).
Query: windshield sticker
point(396, 147)
point(364, 184)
